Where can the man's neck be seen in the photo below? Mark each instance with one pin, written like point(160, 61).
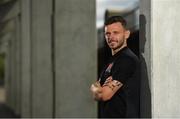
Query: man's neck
point(117, 50)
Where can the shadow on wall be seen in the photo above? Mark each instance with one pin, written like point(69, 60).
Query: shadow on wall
point(145, 88)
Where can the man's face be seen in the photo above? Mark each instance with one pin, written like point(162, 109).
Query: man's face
point(116, 35)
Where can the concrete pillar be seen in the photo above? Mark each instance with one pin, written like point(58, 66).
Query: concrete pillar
point(165, 58)
point(41, 63)
point(160, 26)
point(25, 58)
point(75, 58)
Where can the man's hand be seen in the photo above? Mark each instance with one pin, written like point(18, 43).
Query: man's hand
point(96, 90)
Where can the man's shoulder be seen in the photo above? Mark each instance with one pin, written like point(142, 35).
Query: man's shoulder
point(127, 56)
point(128, 53)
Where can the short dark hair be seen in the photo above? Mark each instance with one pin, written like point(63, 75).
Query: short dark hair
point(115, 19)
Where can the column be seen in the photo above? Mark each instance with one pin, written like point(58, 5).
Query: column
point(75, 58)
point(165, 58)
point(41, 70)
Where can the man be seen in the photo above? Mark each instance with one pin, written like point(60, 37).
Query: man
point(117, 90)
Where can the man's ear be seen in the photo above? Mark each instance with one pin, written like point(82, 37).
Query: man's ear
point(127, 34)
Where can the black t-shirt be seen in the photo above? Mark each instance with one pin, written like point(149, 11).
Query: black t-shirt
point(124, 67)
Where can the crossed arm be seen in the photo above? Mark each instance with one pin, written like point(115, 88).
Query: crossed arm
point(107, 90)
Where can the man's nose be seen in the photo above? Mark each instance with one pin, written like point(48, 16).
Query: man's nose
point(111, 36)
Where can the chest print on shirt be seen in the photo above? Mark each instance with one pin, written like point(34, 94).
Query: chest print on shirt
point(109, 68)
point(107, 71)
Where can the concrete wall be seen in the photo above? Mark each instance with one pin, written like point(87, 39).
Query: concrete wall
point(165, 58)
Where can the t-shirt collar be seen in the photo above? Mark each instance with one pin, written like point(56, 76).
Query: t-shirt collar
point(117, 54)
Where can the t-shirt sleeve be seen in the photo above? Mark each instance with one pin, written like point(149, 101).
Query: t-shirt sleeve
point(123, 69)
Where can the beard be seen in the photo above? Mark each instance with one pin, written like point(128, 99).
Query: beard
point(114, 45)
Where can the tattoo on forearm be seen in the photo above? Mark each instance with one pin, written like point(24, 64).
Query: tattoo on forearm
point(112, 84)
point(109, 85)
point(117, 83)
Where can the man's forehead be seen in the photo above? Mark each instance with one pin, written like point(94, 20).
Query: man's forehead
point(116, 25)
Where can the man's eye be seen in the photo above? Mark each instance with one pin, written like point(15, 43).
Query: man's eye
point(115, 32)
point(107, 34)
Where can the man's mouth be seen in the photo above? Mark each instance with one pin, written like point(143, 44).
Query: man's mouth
point(111, 41)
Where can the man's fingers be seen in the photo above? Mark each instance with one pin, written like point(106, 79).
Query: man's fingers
point(95, 89)
point(97, 84)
